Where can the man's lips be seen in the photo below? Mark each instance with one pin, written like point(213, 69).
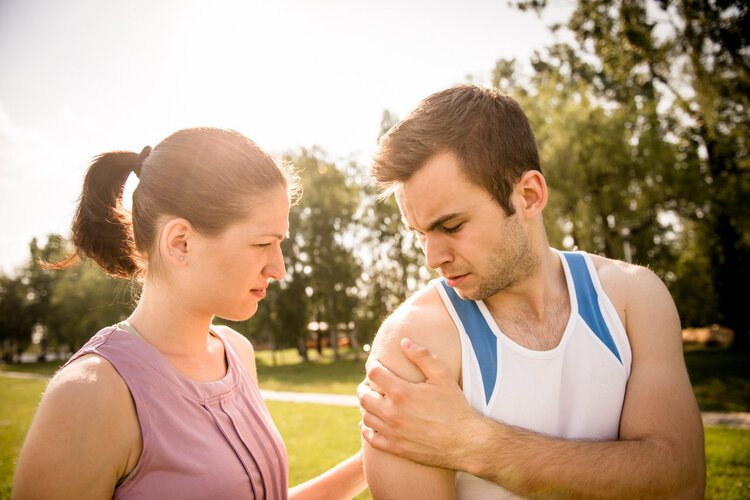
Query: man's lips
point(258, 292)
point(455, 280)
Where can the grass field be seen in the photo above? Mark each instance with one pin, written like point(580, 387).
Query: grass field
point(319, 436)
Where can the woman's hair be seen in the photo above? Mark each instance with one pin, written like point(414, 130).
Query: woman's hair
point(486, 129)
point(207, 176)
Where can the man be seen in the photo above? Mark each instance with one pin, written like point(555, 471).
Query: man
point(528, 371)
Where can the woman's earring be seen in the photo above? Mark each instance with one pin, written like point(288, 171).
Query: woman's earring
point(182, 258)
point(171, 252)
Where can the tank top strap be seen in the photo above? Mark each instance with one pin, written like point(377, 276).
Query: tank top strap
point(585, 281)
point(470, 321)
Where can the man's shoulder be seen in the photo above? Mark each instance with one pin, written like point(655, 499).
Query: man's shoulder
point(423, 319)
point(621, 273)
point(633, 289)
point(425, 309)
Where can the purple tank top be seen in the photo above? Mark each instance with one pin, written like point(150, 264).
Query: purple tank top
point(200, 440)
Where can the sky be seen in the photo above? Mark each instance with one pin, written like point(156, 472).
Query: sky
point(82, 77)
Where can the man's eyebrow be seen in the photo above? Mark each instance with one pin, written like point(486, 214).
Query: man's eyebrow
point(438, 222)
point(278, 236)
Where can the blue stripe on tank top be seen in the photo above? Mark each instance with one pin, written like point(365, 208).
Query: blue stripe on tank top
point(588, 301)
point(483, 341)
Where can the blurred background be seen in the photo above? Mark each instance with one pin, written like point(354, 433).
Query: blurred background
point(640, 109)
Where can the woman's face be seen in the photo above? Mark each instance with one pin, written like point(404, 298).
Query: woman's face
point(231, 271)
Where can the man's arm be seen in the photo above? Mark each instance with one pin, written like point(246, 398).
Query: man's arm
point(659, 453)
point(389, 476)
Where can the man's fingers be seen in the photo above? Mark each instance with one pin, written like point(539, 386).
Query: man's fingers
point(425, 361)
point(376, 439)
point(381, 378)
point(375, 423)
point(369, 400)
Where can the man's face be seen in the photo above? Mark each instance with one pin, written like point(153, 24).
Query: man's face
point(465, 234)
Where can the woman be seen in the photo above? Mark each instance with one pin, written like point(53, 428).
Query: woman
point(166, 405)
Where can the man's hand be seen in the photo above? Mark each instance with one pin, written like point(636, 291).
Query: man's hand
point(428, 422)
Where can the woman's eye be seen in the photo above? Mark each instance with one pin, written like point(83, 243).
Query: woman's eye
point(453, 229)
point(263, 245)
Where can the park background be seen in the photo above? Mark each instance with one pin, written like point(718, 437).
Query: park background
point(640, 110)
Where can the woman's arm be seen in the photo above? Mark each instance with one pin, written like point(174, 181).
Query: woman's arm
point(84, 437)
point(345, 481)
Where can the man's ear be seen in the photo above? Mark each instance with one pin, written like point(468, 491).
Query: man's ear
point(531, 194)
point(174, 241)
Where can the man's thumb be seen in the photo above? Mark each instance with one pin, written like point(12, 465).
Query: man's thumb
point(421, 356)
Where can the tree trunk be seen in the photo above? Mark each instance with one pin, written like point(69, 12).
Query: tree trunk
point(730, 261)
point(302, 348)
point(332, 326)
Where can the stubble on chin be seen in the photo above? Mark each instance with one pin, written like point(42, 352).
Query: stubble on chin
point(506, 271)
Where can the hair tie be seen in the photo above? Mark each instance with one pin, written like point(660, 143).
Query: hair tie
point(140, 159)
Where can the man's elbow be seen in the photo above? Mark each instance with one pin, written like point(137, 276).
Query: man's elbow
point(686, 477)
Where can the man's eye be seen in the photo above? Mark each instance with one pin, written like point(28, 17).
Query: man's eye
point(453, 229)
point(263, 245)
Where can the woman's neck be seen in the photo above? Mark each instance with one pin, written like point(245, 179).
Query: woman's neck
point(166, 322)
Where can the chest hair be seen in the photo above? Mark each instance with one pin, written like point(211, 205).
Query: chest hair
point(521, 325)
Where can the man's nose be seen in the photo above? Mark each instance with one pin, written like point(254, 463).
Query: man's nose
point(435, 251)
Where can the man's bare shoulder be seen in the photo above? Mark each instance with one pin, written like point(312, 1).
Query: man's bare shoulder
point(424, 319)
point(633, 289)
point(617, 274)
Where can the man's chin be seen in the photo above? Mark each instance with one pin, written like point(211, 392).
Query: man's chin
point(466, 293)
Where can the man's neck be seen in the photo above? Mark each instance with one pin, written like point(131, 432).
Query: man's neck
point(535, 311)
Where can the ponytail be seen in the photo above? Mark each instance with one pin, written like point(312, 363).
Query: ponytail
point(204, 175)
point(102, 228)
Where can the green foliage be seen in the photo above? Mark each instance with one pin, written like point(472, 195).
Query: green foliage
point(720, 379)
point(69, 306)
point(661, 93)
point(86, 300)
point(16, 320)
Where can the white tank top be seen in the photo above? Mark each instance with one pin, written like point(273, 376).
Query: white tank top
point(574, 391)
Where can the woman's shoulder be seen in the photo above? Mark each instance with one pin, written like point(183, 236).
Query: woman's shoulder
point(86, 429)
point(239, 342)
point(241, 346)
point(92, 383)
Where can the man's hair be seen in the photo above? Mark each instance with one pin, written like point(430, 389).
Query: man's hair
point(486, 129)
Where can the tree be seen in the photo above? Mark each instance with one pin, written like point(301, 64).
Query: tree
point(691, 59)
point(16, 320)
point(321, 267)
point(85, 300)
point(392, 260)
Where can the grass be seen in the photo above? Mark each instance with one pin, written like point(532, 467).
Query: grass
point(43, 368)
point(720, 378)
point(19, 401)
point(727, 463)
point(319, 436)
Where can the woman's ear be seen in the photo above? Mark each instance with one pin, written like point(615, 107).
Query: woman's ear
point(174, 241)
point(531, 193)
